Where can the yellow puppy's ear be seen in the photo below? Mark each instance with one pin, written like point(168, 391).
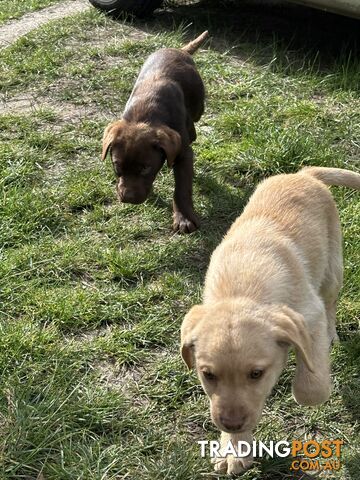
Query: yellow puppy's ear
point(188, 334)
point(170, 141)
point(290, 328)
point(112, 131)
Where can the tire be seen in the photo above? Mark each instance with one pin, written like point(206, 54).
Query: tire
point(140, 8)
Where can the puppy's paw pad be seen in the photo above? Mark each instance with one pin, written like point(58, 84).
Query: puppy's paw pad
point(220, 464)
point(237, 465)
point(184, 225)
point(231, 465)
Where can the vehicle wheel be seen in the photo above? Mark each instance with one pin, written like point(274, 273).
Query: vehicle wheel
point(141, 8)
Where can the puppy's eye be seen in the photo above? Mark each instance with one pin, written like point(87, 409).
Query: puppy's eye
point(209, 376)
point(256, 374)
point(145, 171)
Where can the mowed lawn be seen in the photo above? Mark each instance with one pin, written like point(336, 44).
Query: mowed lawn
point(93, 292)
point(12, 9)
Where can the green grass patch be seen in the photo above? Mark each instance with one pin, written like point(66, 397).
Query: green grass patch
point(14, 8)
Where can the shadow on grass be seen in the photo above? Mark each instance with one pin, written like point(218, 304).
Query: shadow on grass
point(348, 351)
point(225, 206)
point(351, 390)
point(290, 38)
point(352, 466)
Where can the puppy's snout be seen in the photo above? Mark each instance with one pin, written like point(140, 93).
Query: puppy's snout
point(128, 195)
point(232, 424)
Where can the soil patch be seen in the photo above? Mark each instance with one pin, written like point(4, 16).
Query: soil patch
point(15, 29)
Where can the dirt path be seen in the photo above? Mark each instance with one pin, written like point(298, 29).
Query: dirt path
point(15, 29)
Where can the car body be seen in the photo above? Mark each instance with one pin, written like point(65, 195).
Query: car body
point(350, 8)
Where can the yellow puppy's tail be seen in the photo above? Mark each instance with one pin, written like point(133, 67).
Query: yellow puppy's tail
point(334, 176)
point(195, 44)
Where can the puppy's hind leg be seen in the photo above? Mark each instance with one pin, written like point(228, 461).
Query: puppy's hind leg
point(333, 279)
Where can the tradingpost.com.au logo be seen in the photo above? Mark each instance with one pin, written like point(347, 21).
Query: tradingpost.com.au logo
point(327, 451)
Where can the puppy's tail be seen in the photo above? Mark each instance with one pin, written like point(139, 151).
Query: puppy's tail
point(195, 44)
point(334, 176)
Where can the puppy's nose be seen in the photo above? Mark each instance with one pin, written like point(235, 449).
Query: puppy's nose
point(129, 199)
point(232, 424)
point(127, 196)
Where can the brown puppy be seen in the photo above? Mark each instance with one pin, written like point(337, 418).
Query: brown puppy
point(272, 283)
point(158, 125)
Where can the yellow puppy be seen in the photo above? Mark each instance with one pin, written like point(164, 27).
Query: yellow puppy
point(272, 283)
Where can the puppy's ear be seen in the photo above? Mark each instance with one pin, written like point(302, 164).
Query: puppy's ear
point(290, 328)
point(170, 141)
point(112, 131)
point(188, 334)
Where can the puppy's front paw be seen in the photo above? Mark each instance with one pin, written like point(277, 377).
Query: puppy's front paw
point(231, 465)
point(228, 462)
point(185, 225)
point(220, 464)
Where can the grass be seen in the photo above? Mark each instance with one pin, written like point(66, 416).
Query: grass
point(13, 9)
point(93, 292)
